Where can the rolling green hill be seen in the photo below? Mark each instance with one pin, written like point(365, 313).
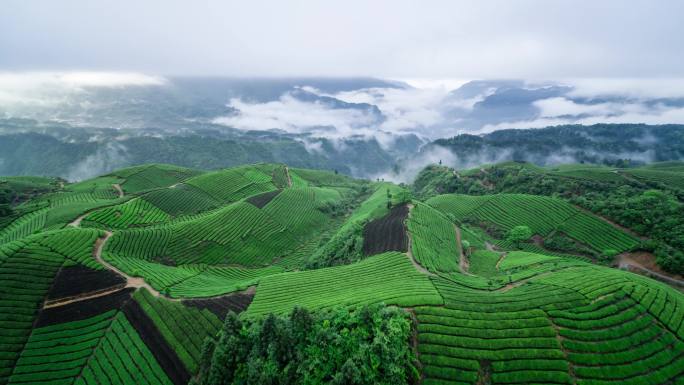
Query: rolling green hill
point(261, 273)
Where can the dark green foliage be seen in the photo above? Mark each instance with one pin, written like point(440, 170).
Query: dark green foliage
point(597, 144)
point(345, 247)
point(608, 255)
point(519, 234)
point(194, 150)
point(562, 243)
point(369, 345)
point(646, 206)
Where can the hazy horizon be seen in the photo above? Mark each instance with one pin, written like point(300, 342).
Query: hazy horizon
point(528, 39)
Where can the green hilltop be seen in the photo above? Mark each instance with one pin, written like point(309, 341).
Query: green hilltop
point(503, 274)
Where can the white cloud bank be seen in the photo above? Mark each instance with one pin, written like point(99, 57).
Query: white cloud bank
point(560, 111)
point(295, 116)
point(427, 108)
point(432, 111)
point(405, 110)
point(46, 88)
point(639, 88)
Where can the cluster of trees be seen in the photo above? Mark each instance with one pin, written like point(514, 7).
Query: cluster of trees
point(561, 242)
point(203, 150)
point(6, 198)
point(599, 143)
point(655, 213)
point(345, 247)
point(518, 235)
point(368, 345)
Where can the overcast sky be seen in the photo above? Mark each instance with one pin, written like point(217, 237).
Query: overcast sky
point(391, 39)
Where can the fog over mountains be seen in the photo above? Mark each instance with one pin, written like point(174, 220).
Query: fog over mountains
point(363, 126)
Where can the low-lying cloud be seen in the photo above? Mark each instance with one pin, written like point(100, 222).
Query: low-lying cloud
point(109, 156)
point(435, 111)
point(45, 88)
point(562, 111)
point(386, 112)
point(294, 116)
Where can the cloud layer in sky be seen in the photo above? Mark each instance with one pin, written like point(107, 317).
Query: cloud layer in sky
point(430, 110)
point(434, 39)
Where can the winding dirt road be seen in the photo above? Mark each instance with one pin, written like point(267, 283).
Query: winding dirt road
point(501, 258)
point(134, 282)
point(77, 222)
point(289, 178)
point(627, 262)
point(118, 189)
point(463, 262)
point(409, 252)
point(417, 265)
point(94, 294)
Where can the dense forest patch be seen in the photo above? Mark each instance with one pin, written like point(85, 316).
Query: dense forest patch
point(366, 345)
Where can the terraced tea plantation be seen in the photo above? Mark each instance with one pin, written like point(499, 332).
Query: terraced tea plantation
point(151, 274)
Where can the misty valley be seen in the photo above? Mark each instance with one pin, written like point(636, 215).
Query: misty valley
point(301, 234)
point(443, 192)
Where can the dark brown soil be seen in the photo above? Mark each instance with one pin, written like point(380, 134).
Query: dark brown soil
point(387, 233)
point(261, 200)
point(222, 305)
point(78, 280)
point(83, 309)
point(154, 340)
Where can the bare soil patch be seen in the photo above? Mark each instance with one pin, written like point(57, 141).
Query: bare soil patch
point(82, 297)
point(463, 262)
point(261, 200)
point(79, 280)
point(160, 348)
point(646, 260)
point(118, 189)
point(538, 240)
point(644, 263)
point(387, 233)
point(87, 308)
point(236, 302)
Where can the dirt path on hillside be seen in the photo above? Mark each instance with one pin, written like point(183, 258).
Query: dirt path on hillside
point(289, 178)
point(645, 264)
point(489, 246)
point(522, 282)
point(409, 252)
point(501, 258)
point(417, 265)
point(93, 294)
point(135, 282)
point(463, 262)
point(77, 222)
point(118, 189)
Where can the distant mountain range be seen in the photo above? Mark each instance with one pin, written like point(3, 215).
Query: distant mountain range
point(363, 127)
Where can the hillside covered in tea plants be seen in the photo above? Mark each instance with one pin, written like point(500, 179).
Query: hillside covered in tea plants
point(267, 274)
